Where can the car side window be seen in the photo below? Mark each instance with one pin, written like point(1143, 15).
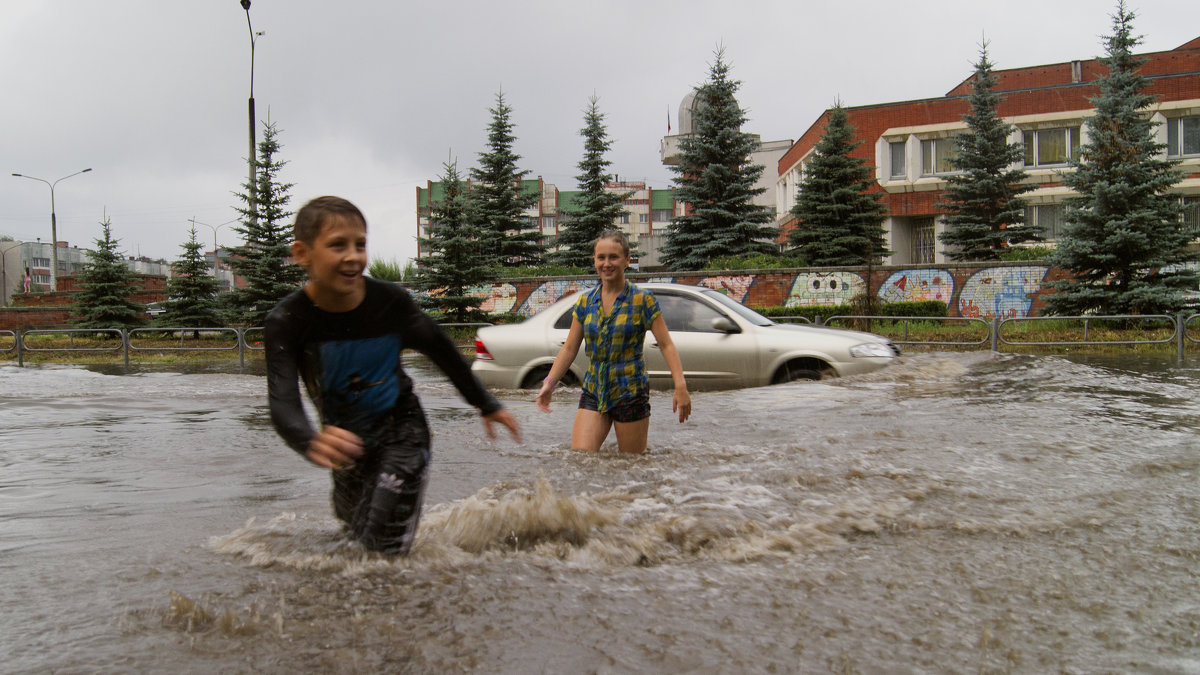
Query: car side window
point(564, 321)
point(684, 314)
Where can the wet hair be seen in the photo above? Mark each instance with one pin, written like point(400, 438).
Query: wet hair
point(312, 216)
point(617, 236)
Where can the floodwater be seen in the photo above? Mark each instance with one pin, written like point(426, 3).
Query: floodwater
point(953, 513)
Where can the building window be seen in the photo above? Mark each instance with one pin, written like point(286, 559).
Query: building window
point(40, 262)
point(643, 217)
point(1051, 147)
point(923, 243)
point(663, 215)
point(548, 223)
point(1183, 136)
point(896, 149)
point(40, 278)
point(1191, 216)
point(1048, 218)
point(624, 218)
point(936, 155)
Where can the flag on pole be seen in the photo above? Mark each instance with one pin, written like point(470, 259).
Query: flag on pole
point(668, 120)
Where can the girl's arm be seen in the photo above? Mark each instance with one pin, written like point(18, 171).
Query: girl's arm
point(682, 401)
point(562, 362)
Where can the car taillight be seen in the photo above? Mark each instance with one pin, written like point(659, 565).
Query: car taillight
point(481, 351)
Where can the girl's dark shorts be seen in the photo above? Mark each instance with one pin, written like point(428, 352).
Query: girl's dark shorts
point(630, 409)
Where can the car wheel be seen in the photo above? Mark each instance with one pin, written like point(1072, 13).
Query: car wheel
point(534, 379)
point(801, 369)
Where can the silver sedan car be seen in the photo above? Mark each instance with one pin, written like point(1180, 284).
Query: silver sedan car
point(722, 344)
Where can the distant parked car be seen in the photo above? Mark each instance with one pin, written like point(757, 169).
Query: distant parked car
point(155, 308)
point(722, 343)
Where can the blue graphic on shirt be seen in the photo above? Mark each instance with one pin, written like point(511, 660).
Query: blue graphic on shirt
point(360, 382)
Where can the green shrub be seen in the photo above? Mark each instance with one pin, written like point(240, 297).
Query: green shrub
point(759, 261)
point(1016, 253)
point(543, 271)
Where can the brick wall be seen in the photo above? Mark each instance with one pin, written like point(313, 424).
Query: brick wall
point(54, 309)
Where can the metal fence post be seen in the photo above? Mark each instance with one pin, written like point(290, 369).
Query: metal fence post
point(1180, 332)
point(125, 345)
point(20, 353)
point(995, 333)
point(241, 339)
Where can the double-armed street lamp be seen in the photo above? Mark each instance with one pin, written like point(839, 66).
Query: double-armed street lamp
point(253, 194)
point(53, 224)
point(214, 228)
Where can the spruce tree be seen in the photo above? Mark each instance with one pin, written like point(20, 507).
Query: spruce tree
point(1124, 240)
point(984, 212)
point(717, 181)
point(838, 221)
point(192, 289)
point(107, 288)
point(595, 208)
point(264, 259)
point(501, 198)
point(457, 258)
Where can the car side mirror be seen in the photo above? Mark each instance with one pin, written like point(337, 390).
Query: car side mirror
point(724, 325)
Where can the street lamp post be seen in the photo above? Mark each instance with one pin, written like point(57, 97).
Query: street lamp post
point(53, 225)
point(253, 194)
point(214, 228)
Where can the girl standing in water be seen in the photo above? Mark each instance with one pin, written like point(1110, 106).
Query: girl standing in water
point(614, 317)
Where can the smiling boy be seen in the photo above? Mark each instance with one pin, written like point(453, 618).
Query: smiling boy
point(342, 334)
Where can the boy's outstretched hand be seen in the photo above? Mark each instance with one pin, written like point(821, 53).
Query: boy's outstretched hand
point(334, 448)
point(503, 417)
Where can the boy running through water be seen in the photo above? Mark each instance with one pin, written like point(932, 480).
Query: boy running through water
point(343, 333)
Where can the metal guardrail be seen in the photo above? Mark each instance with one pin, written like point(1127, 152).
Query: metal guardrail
point(251, 339)
point(907, 320)
point(1183, 326)
point(792, 319)
point(10, 335)
point(244, 340)
point(1087, 321)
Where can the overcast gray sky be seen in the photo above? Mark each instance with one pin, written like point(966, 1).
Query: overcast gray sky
point(371, 96)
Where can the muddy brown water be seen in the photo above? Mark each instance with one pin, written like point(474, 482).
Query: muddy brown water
point(953, 513)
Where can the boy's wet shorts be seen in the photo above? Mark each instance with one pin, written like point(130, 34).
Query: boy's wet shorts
point(630, 409)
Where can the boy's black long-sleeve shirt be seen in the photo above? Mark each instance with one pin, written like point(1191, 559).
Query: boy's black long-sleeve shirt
point(350, 362)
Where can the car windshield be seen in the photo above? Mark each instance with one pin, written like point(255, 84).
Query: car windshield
point(738, 308)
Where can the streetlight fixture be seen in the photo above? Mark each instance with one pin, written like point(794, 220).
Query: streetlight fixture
point(253, 195)
point(53, 224)
point(214, 228)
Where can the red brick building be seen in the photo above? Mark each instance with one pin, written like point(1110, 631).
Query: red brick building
point(909, 143)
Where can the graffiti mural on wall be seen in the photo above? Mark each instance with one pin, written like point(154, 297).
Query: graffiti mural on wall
point(498, 298)
point(918, 285)
point(550, 292)
point(824, 288)
point(1003, 292)
point(735, 287)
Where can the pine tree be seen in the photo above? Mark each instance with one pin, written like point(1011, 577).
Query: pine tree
point(984, 212)
point(595, 208)
point(264, 260)
point(501, 197)
point(457, 259)
point(717, 181)
point(838, 221)
point(108, 285)
point(192, 290)
point(1124, 239)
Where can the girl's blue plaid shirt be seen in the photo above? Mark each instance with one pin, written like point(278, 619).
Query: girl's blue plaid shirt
point(614, 343)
